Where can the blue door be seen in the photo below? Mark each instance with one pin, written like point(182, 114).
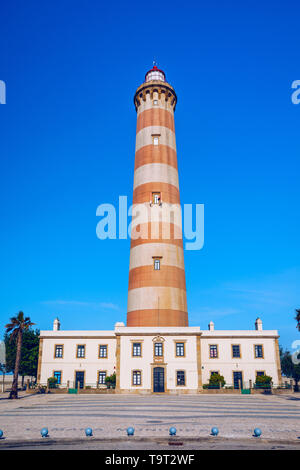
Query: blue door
point(79, 380)
point(158, 379)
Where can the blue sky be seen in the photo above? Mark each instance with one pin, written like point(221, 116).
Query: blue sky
point(67, 145)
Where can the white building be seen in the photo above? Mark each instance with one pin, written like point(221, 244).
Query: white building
point(158, 359)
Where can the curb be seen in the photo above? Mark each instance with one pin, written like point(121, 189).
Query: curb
point(158, 440)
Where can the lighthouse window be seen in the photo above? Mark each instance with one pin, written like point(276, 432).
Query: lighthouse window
point(155, 141)
point(157, 264)
point(156, 198)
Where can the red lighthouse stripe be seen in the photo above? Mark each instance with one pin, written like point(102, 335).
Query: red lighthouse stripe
point(155, 117)
point(157, 317)
point(155, 154)
point(143, 193)
point(167, 276)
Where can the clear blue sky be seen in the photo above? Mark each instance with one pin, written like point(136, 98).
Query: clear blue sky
point(68, 139)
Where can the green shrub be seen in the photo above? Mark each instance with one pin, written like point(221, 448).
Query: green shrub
point(110, 380)
point(52, 382)
point(216, 380)
point(263, 381)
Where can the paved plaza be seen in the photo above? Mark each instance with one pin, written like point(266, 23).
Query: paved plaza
point(236, 416)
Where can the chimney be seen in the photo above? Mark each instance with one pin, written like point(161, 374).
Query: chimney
point(258, 324)
point(56, 325)
point(211, 326)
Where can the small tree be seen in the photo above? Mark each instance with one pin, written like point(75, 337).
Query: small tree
point(263, 381)
point(216, 380)
point(52, 382)
point(110, 380)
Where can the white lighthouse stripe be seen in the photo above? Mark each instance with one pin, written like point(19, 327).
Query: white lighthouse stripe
point(156, 173)
point(142, 255)
point(166, 105)
point(145, 137)
point(171, 298)
point(156, 220)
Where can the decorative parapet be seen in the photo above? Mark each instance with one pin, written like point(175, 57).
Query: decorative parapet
point(165, 92)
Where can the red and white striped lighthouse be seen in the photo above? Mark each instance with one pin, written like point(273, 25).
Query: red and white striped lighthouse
point(157, 289)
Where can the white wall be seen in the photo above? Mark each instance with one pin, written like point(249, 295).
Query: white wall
point(187, 363)
point(248, 364)
point(91, 364)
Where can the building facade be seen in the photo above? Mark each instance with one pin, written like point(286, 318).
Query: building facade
point(158, 359)
point(157, 352)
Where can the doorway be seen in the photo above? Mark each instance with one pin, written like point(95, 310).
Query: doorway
point(158, 380)
point(237, 380)
point(79, 379)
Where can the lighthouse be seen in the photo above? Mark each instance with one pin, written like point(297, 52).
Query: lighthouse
point(157, 288)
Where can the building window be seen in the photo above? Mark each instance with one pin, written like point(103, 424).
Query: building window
point(57, 375)
point(258, 351)
point(81, 351)
point(158, 349)
point(214, 372)
point(136, 377)
point(156, 198)
point(101, 377)
point(103, 351)
point(180, 377)
point(155, 102)
point(156, 264)
point(136, 349)
point(236, 352)
point(59, 350)
point(213, 351)
point(260, 373)
point(155, 139)
point(180, 349)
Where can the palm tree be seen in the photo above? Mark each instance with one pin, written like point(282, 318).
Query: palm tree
point(16, 326)
point(297, 318)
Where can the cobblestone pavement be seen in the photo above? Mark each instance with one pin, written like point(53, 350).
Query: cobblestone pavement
point(236, 416)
